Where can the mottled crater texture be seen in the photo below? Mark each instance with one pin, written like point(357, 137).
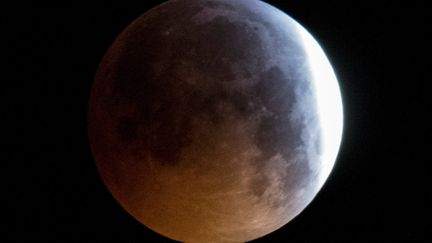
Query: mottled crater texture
point(203, 121)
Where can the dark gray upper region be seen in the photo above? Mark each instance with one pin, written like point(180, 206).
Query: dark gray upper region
point(230, 54)
point(186, 58)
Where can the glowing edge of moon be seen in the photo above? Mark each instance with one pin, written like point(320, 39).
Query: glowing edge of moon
point(329, 102)
point(327, 92)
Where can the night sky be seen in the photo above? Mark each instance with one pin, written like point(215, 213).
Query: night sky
point(378, 190)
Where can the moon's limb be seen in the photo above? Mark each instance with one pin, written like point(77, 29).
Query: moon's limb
point(213, 125)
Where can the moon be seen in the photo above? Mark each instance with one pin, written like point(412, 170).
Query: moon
point(215, 120)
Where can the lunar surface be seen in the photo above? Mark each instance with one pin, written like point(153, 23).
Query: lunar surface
point(215, 120)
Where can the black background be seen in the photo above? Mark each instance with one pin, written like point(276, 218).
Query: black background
point(379, 189)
